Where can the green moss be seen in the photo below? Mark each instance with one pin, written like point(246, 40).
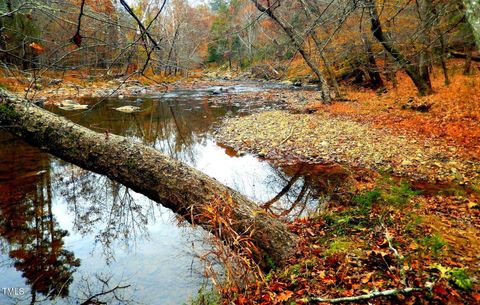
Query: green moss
point(7, 112)
point(339, 245)
point(270, 262)
point(434, 243)
point(400, 195)
point(366, 199)
point(344, 222)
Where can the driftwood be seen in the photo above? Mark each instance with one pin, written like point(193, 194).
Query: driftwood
point(181, 188)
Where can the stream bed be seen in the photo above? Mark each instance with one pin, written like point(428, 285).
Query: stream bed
point(68, 234)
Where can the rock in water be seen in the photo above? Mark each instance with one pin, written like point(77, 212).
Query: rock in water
point(74, 107)
point(69, 105)
point(128, 109)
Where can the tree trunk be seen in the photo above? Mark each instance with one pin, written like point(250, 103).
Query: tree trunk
point(423, 86)
point(172, 46)
point(183, 189)
point(331, 75)
point(443, 60)
point(473, 15)
point(390, 70)
point(3, 43)
point(312, 33)
point(428, 16)
point(373, 71)
point(324, 88)
point(467, 69)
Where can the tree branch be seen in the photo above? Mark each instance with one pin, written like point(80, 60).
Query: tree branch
point(77, 38)
point(140, 24)
point(371, 295)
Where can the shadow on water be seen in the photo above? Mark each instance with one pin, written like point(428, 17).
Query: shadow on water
point(71, 234)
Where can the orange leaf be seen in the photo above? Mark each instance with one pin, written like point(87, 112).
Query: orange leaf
point(37, 48)
point(284, 296)
point(476, 296)
point(242, 300)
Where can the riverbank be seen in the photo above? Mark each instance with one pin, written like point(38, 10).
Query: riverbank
point(410, 224)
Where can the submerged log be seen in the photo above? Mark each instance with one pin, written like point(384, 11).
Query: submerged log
point(181, 188)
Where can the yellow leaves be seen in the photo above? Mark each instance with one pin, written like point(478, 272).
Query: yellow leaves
point(322, 274)
point(472, 204)
point(366, 278)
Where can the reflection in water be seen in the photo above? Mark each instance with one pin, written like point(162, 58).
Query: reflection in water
point(41, 197)
point(104, 208)
point(35, 242)
point(306, 188)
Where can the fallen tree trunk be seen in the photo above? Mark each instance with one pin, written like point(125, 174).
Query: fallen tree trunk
point(183, 189)
point(464, 56)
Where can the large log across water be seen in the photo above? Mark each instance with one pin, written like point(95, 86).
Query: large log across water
point(177, 186)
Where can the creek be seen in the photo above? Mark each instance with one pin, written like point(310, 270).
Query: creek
point(67, 234)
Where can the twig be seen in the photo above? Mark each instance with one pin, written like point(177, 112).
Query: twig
point(95, 296)
point(367, 296)
point(397, 254)
point(288, 137)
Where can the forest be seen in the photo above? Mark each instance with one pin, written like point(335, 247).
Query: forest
point(207, 152)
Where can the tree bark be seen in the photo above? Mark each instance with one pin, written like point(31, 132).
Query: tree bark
point(373, 70)
point(183, 189)
point(443, 61)
point(467, 69)
point(423, 86)
point(427, 13)
point(324, 88)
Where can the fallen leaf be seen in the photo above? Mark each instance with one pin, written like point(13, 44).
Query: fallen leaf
point(284, 296)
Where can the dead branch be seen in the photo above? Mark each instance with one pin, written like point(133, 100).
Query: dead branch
point(371, 295)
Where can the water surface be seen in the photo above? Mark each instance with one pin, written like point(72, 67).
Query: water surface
point(68, 234)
